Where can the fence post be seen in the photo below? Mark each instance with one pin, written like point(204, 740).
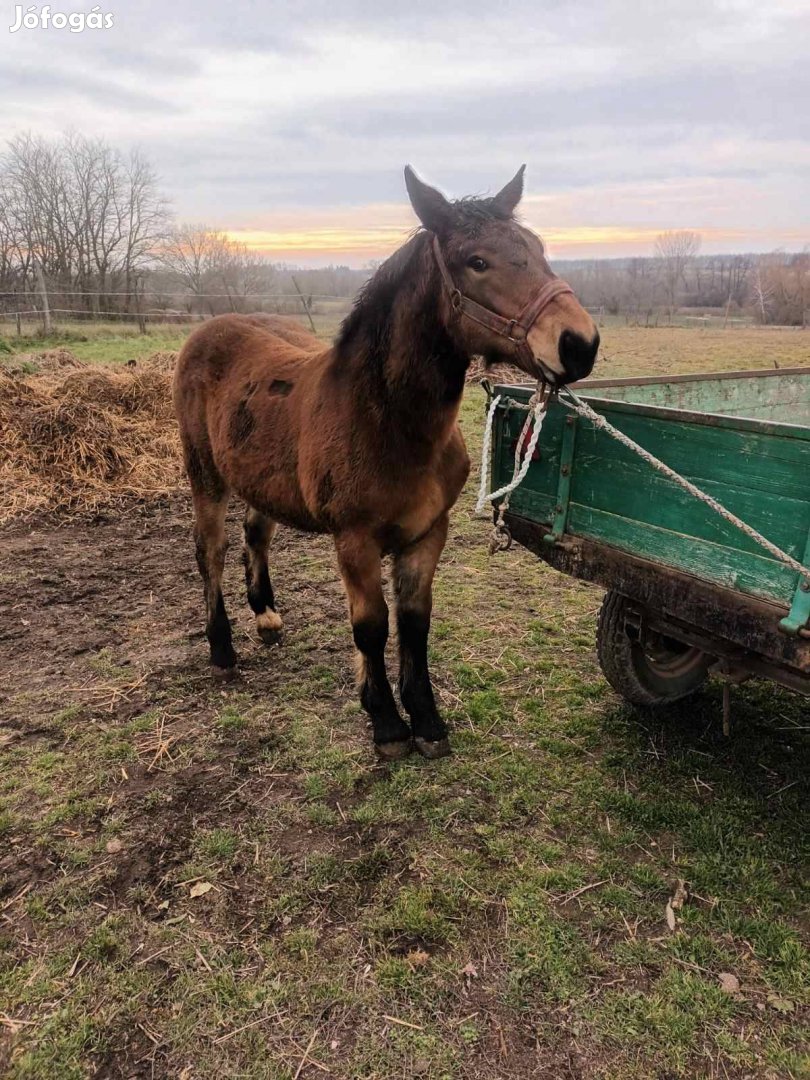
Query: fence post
point(138, 311)
point(303, 301)
point(19, 324)
point(46, 310)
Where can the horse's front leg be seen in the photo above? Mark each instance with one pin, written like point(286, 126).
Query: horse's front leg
point(359, 558)
point(413, 580)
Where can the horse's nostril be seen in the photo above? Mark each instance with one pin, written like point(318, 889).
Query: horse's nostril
point(577, 354)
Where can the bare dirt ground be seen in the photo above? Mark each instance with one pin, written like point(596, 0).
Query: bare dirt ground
point(201, 881)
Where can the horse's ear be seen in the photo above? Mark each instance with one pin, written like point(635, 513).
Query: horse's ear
point(430, 206)
point(509, 196)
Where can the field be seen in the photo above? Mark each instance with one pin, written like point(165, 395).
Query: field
point(202, 882)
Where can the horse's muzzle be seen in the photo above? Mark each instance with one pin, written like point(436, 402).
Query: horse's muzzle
point(577, 355)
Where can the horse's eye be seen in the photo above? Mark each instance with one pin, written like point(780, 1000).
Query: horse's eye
point(478, 264)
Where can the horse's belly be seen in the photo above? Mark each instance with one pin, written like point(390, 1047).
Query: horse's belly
point(271, 486)
point(258, 457)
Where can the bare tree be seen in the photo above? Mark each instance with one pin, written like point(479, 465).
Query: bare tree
point(144, 215)
point(221, 273)
point(195, 255)
point(761, 291)
point(675, 251)
point(642, 289)
point(780, 288)
point(245, 275)
point(77, 209)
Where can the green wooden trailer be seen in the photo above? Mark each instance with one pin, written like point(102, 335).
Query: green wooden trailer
point(688, 592)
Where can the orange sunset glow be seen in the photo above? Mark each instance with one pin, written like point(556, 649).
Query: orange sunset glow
point(346, 241)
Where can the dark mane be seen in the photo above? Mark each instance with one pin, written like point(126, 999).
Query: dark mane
point(368, 323)
point(404, 292)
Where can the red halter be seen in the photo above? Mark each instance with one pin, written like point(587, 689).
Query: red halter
point(514, 330)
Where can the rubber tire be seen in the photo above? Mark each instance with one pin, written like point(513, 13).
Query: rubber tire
point(631, 672)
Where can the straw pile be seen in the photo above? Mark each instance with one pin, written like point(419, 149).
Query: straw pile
point(496, 373)
point(79, 438)
point(47, 361)
point(159, 361)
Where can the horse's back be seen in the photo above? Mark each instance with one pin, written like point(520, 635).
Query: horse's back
point(286, 328)
point(233, 348)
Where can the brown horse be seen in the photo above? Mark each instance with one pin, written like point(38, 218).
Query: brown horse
point(361, 440)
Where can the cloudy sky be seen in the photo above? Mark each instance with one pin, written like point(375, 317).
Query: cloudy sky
point(288, 124)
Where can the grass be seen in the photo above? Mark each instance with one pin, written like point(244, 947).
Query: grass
point(94, 342)
point(113, 342)
point(669, 350)
point(497, 914)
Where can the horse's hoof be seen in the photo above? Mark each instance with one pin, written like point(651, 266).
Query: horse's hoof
point(393, 751)
point(224, 674)
point(438, 749)
point(269, 626)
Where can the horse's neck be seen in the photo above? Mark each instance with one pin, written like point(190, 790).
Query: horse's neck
point(413, 366)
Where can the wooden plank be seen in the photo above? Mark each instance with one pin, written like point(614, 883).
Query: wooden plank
point(695, 416)
point(751, 574)
point(737, 458)
point(707, 376)
point(750, 477)
point(641, 494)
point(704, 419)
point(785, 398)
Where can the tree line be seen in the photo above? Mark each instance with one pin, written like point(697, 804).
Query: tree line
point(88, 227)
point(771, 288)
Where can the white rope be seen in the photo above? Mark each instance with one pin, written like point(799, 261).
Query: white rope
point(538, 404)
point(485, 458)
point(599, 421)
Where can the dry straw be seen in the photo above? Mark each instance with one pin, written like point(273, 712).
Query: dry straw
point(79, 438)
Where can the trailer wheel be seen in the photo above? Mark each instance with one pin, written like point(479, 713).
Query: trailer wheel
point(659, 671)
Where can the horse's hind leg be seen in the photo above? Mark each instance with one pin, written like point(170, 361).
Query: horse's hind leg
point(211, 546)
point(259, 531)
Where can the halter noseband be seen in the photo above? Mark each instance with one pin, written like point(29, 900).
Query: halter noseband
point(514, 330)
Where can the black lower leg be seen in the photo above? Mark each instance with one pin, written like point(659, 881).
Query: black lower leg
point(376, 697)
point(217, 627)
point(218, 632)
point(258, 533)
point(259, 588)
point(430, 731)
point(257, 577)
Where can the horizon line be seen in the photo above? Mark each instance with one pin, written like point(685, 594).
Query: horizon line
point(349, 243)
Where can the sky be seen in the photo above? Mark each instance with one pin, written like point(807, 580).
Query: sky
point(288, 125)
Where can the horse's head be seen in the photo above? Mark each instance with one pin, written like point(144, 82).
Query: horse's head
point(501, 298)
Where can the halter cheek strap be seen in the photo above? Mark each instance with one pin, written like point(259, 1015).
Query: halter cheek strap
point(515, 330)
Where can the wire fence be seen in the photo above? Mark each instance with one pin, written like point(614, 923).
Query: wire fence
point(322, 312)
point(25, 315)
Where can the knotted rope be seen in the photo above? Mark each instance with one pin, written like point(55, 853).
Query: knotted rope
point(501, 538)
